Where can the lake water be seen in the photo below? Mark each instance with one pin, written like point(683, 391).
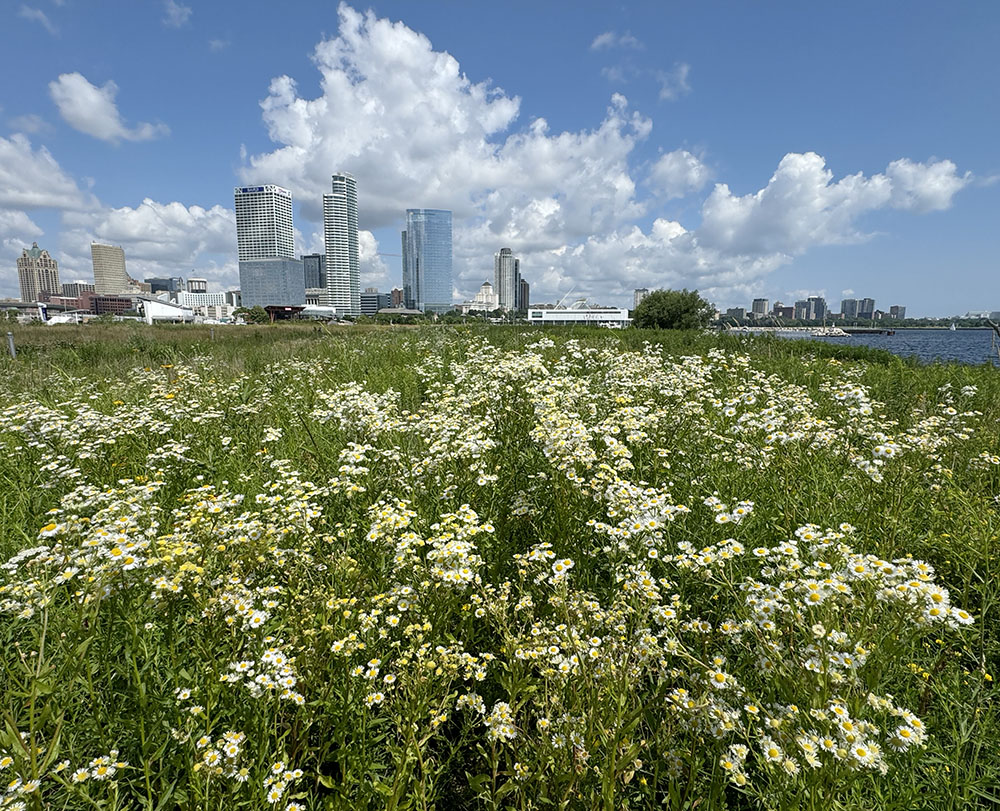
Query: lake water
point(962, 345)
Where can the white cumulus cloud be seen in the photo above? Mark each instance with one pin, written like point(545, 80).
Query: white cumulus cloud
point(678, 173)
point(611, 39)
point(92, 110)
point(31, 178)
point(176, 14)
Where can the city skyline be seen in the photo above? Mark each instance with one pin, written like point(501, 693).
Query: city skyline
point(641, 147)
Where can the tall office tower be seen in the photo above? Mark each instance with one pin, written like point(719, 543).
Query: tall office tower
point(314, 268)
point(638, 295)
point(801, 310)
point(506, 278)
point(849, 308)
point(897, 311)
point(340, 232)
point(866, 308)
point(37, 273)
point(524, 298)
point(110, 276)
point(195, 285)
point(817, 308)
point(759, 307)
point(427, 260)
point(264, 222)
point(169, 284)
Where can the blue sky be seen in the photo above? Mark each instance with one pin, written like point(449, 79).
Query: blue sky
point(777, 149)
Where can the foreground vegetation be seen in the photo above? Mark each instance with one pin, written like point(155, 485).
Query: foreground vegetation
point(439, 568)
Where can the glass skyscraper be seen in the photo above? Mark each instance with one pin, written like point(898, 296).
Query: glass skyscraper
point(426, 246)
point(276, 282)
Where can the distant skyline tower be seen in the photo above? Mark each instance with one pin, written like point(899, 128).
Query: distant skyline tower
point(638, 295)
point(849, 307)
point(37, 273)
point(866, 308)
point(427, 280)
point(340, 234)
point(507, 278)
point(759, 307)
point(110, 276)
point(264, 223)
point(524, 295)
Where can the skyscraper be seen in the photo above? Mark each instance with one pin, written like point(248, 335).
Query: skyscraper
point(759, 307)
point(524, 296)
point(638, 295)
point(849, 308)
point(264, 222)
point(866, 308)
point(817, 308)
point(314, 268)
point(897, 311)
point(37, 273)
point(427, 281)
point(507, 278)
point(340, 232)
point(269, 273)
point(110, 276)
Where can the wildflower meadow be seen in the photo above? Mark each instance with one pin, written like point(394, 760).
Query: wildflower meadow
point(457, 568)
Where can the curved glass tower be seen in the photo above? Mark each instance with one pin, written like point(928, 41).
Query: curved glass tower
point(427, 282)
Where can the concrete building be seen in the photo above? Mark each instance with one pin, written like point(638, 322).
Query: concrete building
point(580, 314)
point(196, 300)
point(784, 312)
point(110, 276)
point(897, 311)
point(817, 308)
point(759, 307)
point(801, 310)
point(638, 295)
point(397, 297)
point(274, 282)
point(524, 295)
point(427, 280)
point(76, 289)
point(739, 313)
point(849, 308)
point(264, 223)
point(197, 285)
point(37, 274)
point(372, 301)
point(112, 305)
point(866, 308)
point(507, 278)
point(484, 301)
point(340, 236)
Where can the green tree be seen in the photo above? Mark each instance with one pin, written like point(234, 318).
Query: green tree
point(673, 309)
point(257, 315)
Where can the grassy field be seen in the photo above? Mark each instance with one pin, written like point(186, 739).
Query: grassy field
point(297, 568)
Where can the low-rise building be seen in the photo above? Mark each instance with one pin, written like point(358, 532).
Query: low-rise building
point(593, 316)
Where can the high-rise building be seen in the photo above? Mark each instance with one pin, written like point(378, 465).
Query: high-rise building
point(397, 297)
point(110, 276)
point(427, 281)
point(801, 310)
point(866, 308)
point(849, 308)
point(264, 223)
point(37, 274)
point(816, 308)
point(739, 313)
point(897, 311)
point(759, 307)
point(171, 284)
point(524, 296)
point(638, 295)
point(340, 232)
point(314, 268)
point(195, 285)
point(506, 278)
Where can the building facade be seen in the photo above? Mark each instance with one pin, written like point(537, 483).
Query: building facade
point(849, 308)
point(76, 289)
point(507, 279)
point(275, 282)
point(314, 268)
point(524, 295)
point(169, 284)
point(264, 223)
point(110, 276)
point(197, 285)
point(897, 311)
point(638, 295)
point(37, 274)
point(372, 301)
point(866, 308)
point(759, 307)
point(816, 308)
point(427, 280)
point(616, 317)
point(340, 235)
point(397, 297)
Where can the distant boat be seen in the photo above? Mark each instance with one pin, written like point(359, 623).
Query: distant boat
point(952, 327)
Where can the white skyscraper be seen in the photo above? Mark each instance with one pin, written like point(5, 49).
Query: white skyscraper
point(264, 223)
point(507, 279)
point(110, 276)
point(340, 232)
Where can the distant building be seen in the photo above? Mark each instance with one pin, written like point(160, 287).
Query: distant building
point(200, 299)
point(866, 308)
point(801, 310)
point(314, 269)
point(784, 312)
point(817, 308)
point(638, 295)
point(759, 307)
point(372, 301)
point(617, 317)
point(264, 223)
point(340, 236)
point(315, 296)
point(507, 278)
point(849, 307)
point(37, 274)
point(777, 306)
point(272, 282)
point(112, 305)
point(233, 298)
point(897, 311)
point(739, 313)
point(76, 289)
point(110, 276)
point(197, 285)
point(427, 280)
point(397, 296)
point(165, 285)
point(484, 301)
point(524, 296)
